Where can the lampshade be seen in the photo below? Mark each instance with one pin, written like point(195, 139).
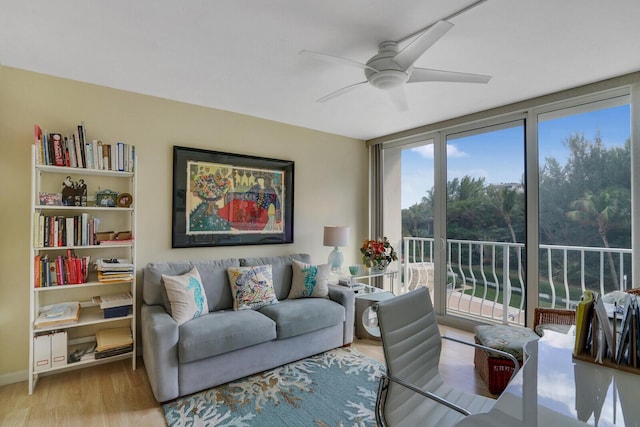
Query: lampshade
point(336, 236)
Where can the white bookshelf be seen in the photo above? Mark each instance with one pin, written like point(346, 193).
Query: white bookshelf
point(49, 179)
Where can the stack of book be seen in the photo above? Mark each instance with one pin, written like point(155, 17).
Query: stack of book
point(64, 313)
point(114, 270)
point(114, 305)
point(114, 341)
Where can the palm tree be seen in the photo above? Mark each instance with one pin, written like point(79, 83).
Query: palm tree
point(505, 200)
point(607, 210)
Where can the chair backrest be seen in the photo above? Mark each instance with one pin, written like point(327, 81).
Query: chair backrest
point(410, 336)
point(411, 343)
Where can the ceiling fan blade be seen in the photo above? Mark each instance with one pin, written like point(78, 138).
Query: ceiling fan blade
point(429, 75)
point(399, 98)
point(336, 59)
point(340, 91)
point(407, 56)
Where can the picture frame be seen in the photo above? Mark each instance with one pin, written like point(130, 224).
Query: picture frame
point(124, 200)
point(106, 198)
point(226, 199)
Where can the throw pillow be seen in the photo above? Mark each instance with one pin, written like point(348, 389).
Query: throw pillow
point(251, 287)
point(309, 280)
point(186, 296)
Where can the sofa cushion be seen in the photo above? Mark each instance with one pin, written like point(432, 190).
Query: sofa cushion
point(186, 296)
point(309, 280)
point(212, 272)
point(300, 316)
point(281, 270)
point(251, 287)
point(221, 332)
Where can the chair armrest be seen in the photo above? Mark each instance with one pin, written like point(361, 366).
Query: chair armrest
point(516, 365)
point(429, 395)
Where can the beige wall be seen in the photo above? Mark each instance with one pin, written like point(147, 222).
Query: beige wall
point(330, 178)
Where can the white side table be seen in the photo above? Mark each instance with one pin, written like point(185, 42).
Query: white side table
point(366, 318)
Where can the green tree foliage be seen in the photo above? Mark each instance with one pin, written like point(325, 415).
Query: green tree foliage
point(584, 202)
point(480, 211)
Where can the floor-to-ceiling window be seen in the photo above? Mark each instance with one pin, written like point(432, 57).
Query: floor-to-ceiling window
point(584, 201)
point(469, 222)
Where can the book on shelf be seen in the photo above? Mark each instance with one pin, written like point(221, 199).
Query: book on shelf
point(108, 339)
point(60, 270)
point(57, 231)
point(114, 264)
point(584, 312)
point(114, 270)
point(116, 242)
point(37, 140)
point(63, 313)
point(76, 151)
point(110, 301)
point(114, 351)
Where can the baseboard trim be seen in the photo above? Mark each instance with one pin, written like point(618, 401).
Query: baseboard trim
point(14, 377)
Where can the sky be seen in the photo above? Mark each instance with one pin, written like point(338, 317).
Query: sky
point(498, 156)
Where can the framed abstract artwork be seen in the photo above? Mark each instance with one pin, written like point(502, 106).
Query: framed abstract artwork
point(224, 199)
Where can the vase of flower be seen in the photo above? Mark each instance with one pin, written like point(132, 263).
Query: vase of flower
point(379, 268)
point(377, 254)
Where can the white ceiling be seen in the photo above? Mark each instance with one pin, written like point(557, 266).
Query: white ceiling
point(242, 55)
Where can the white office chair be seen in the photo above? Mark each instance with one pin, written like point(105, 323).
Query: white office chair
point(412, 393)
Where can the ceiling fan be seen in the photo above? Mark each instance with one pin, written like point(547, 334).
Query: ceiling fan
point(391, 68)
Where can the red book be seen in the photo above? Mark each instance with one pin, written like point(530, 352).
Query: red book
point(55, 139)
point(78, 270)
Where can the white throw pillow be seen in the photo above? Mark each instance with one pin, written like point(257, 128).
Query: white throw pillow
point(309, 280)
point(251, 287)
point(186, 296)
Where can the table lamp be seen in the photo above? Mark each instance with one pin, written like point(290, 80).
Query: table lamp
point(336, 236)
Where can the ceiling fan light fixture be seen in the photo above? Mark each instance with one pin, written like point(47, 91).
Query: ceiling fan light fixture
point(387, 79)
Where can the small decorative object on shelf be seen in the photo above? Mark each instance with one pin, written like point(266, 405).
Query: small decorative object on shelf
point(124, 200)
point(50, 199)
point(106, 198)
point(74, 193)
point(378, 254)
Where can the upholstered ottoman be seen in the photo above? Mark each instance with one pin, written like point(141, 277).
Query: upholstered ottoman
point(494, 369)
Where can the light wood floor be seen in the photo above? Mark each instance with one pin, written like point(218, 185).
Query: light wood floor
point(114, 395)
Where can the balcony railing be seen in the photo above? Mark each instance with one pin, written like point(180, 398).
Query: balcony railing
point(485, 277)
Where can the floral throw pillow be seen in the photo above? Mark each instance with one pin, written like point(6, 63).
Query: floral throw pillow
point(251, 287)
point(309, 280)
point(186, 296)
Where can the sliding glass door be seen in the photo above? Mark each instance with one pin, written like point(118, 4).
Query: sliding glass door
point(485, 222)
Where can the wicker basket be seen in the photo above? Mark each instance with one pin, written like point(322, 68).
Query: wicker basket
point(545, 316)
point(494, 371)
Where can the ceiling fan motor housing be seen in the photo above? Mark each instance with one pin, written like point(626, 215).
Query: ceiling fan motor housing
point(389, 74)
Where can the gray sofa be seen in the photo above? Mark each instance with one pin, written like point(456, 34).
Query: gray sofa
point(224, 344)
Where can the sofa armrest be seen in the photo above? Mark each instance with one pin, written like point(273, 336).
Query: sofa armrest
point(345, 297)
point(160, 351)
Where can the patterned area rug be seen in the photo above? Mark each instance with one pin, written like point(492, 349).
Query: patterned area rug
point(336, 388)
